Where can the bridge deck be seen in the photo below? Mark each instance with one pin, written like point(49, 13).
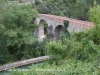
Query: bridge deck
point(23, 62)
point(83, 24)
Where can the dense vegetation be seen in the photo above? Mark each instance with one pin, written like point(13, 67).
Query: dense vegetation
point(16, 32)
point(70, 8)
point(73, 54)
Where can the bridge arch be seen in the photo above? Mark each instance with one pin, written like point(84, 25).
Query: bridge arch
point(57, 31)
point(44, 26)
point(41, 32)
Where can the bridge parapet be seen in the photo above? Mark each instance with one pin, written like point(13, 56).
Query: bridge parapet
point(80, 23)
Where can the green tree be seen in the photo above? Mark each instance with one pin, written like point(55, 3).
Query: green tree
point(95, 14)
point(71, 8)
point(17, 28)
point(37, 2)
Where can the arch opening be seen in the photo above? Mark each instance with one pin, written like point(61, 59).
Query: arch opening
point(44, 25)
point(57, 32)
point(42, 29)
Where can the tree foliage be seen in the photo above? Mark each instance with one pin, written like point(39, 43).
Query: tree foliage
point(16, 31)
point(77, 55)
point(70, 8)
point(95, 14)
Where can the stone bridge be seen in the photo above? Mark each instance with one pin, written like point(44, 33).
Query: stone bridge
point(55, 23)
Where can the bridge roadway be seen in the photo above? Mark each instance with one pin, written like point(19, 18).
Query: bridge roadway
point(23, 62)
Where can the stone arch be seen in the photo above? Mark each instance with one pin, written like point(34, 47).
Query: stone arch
point(57, 32)
point(42, 21)
point(41, 31)
point(44, 26)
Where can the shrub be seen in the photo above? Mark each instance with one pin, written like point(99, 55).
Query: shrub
point(69, 67)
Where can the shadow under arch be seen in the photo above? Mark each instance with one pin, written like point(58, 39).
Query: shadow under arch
point(50, 32)
point(57, 32)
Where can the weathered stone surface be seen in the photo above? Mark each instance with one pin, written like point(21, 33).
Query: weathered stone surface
point(23, 62)
point(57, 22)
